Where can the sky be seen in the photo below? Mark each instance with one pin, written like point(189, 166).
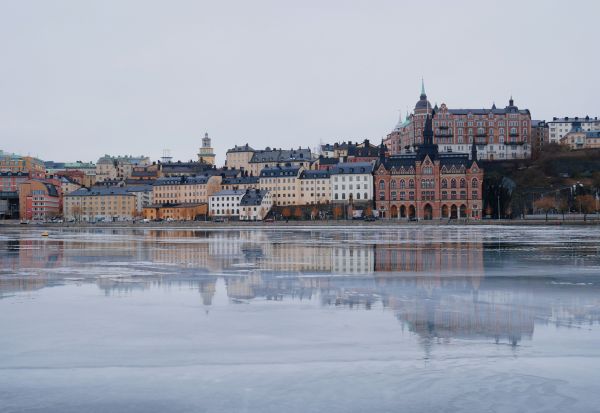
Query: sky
point(79, 79)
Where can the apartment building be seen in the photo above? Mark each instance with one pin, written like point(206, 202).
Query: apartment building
point(100, 203)
point(283, 183)
point(315, 187)
point(185, 189)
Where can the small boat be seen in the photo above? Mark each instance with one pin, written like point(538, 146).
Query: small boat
point(45, 234)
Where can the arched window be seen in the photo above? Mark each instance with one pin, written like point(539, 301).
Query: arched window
point(382, 184)
point(463, 183)
point(393, 184)
point(444, 183)
point(453, 183)
point(423, 183)
point(411, 184)
point(402, 184)
point(474, 183)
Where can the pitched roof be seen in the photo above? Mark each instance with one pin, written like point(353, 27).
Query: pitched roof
point(352, 168)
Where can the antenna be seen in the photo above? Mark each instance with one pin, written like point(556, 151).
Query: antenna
point(166, 156)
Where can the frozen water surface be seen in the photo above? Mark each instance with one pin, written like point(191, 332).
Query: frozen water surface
point(383, 319)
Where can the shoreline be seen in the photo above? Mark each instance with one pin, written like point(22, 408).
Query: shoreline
point(291, 223)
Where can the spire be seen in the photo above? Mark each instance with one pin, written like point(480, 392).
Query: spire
point(428, 131)
point(473, 152)
point(423, 87)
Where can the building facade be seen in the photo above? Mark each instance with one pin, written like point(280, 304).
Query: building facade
point(429, 184)
point(179, 212)
point(283, 183)
point(239, 157)
point(225, 203)
point(185, 189)
point(578, 138)
point(270, 158)
point(206, 154)
point(255, 205)
point(352, 182)
point(315, 187)
point(100, 204)
point(118, 167)
point(39, 200)
point(559, 127)
point(499, 133)
point(10, 162)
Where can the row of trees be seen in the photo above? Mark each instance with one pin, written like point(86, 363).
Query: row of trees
point(586, 203)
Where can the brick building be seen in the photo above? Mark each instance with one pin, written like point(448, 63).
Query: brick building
point(39, 200)
point(428, 184)
point(499, 133)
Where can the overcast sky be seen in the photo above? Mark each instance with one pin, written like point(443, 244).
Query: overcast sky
point(82, 78)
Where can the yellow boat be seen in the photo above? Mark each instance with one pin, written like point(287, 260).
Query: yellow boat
point(45, 234)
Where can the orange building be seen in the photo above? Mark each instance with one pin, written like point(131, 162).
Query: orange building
point(10, 162)
point(39, 200)
point(177, 212)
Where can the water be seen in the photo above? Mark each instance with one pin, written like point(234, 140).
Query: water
point(415, 319)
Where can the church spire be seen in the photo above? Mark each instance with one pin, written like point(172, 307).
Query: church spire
point(473, 152)
point(423, 88)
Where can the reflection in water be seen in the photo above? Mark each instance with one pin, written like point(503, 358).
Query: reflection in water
point(441, 283)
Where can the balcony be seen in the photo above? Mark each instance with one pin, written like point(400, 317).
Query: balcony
point(481, 135)
point(514, 134)
point(514, 143)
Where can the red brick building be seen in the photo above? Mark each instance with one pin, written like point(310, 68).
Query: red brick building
point(39, 200)
point(499, 133)
point(428, 184)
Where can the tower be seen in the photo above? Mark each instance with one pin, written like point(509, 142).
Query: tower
point(206, 153)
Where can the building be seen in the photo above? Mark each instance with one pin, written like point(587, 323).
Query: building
point(118, 167)
point(143, 196)
point(315, 187)
point(100, 204)
point(241, 182)
point(145, 174)
point(10, 181)
point(239, 157)
point(176, 212)
point(429, 184)
point(206, 154)
point(270, 158)
point(225, 203)
point(539, 136)
point(499, 133)
point(185, 189)
point(351, 152)
point(67, 184)
point(579, 138)
point(255, 205)
point(283, 184)
point(352, 182)
point(10, 162)
point(39, 200)
point(559, 127)
point(174, 169)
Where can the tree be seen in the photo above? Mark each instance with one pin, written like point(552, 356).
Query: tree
point(368, 212)
point(298, 213)
point(545, 204)
point(313, 213)
point(587, 204)
point(286, 213)
point(563, 206)
point(337, 212)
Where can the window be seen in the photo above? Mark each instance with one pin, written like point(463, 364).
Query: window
point(382, 184)
point(411, 184)
point(402, 184)
point(453, 183)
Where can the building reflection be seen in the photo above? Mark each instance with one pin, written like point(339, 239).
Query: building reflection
point(432, 279)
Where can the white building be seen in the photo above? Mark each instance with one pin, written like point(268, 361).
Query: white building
point(559, 127)
point(225, 203)
point(255, 205)
point(352, 182)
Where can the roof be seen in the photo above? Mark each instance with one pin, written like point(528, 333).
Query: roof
point(243, 148)
point(240, 180)
point(253, 197)
point(281, 155)
point(593, 134)
point(15, 174)
point(101, 191)
point(278, 171)
point(314, 174)
point(227, 192)
point(586, 118)
point(181, 180)
point(328, 161)
point(139, 188)
point(352, 168)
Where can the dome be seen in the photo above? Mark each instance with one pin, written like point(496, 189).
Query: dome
point(423, 103)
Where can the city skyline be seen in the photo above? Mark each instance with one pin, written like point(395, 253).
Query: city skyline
point(81, 80)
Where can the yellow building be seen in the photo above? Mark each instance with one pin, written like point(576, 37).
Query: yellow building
point(283, 183)
point(239, 157)
point(206, 154)
point(185, 189)
point(10, 162)
point(100, 204)
point(581, 139)
point(178, 212)
point(315, 187)
point(270, 158)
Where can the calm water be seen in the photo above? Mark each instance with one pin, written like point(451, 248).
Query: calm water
point(413, 319)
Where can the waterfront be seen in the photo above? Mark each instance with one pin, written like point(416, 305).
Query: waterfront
point(414, 318)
